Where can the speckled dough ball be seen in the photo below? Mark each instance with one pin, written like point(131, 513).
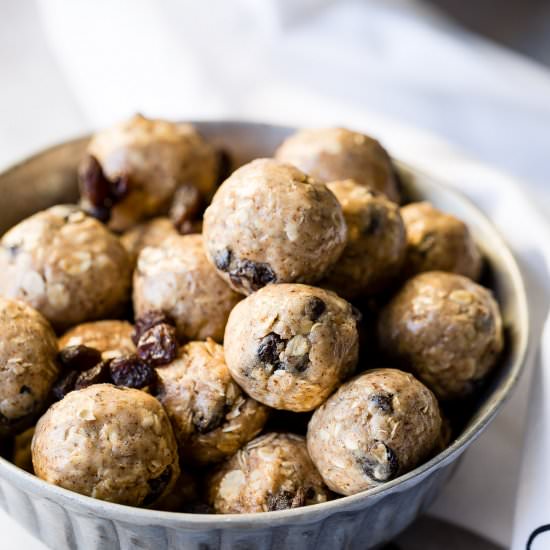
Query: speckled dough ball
point(446, 329)
point(374, 428)
point(175, 277)
point(112, 338)
point(273, 472)
point(211, 416)
point(376, 242)
point(270, 223)
point(290, 346)
point(150, 233)
point(109, 443)
point(154, 157)
point(439, 242)
point(65, 264)
point(331, 154)
point(28, 368)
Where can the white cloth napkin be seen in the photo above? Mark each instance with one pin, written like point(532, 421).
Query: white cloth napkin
point(79, 65)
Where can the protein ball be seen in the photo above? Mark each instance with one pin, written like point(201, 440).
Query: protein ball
point(437, 241)
point(374, 428)
point(446, 329)
point(273, 472)
point(149, 233)
point(332, 154)
point(211, 416)
point(112, 338)
point(175, 277)
point(28, 368)
point(270, 223)
point(109, 443)
point(66, 265)
point(290, 346)
point(376, 242)
point(153, 158)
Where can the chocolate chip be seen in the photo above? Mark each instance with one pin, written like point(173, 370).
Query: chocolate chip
point(148, 320)
point(158, 345)
point(225, 165)
point(187, 206)
point(383, 401)
point(222, 259)
point(131, 372)
point(315, 308)
point(100, 374)
point(381, 464)
point(284, 500)
point(157, 486)
point(64, 385)
point(24, 389)
point(252, 275)
point(79, 357)
point(270, 348)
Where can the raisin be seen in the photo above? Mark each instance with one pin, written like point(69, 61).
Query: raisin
point(356, 313)
point(157, 486)
point(252, 275)
point(99, 374)
point(222, 259)
point(204, 424)
point(379, 468)
point(225, 165)
point(94, 186)
point(374, 225)
point(383, 401)
point(315, 308)
point(149, 320)
point(131, 372)
point(64, 385)
point(79, 357)
point(158, 345)
point(187, 205)
point(24, 389)
point(100, 213)
point(283, 500)
point(119, 188)
point(298, 363)
point(270, 348)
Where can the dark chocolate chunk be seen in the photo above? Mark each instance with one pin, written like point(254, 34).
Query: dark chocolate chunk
point(158, 345)
point(100, 374)
point(157, 486)
point(383, 401)
point(381, 464)
point(149, 320)
point(79, 357)
point(315, 308)
point(131, 372)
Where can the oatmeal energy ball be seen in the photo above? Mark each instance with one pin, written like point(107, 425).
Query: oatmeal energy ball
point(446, 329)
point(270, 223)
point(273, 472)
point(376, 242)
point(175, 277)
point(290, 346)
point(143, 162)
point(111, 338)
point(374, 428)
point(331, 154)
point(109, 443)
point(211, 416)
point(66, 265)
point(438, 242)
point(28, 368)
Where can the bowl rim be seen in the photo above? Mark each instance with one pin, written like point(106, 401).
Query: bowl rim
point(500, 394)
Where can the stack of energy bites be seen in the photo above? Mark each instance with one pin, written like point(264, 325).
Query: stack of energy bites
point(164, 343)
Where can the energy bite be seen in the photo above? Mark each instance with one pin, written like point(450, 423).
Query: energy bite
point(374, 428)
point(176, 278)
point(111, 338)
point(332, 154)
point(211, 416)
point(149, 233)
point(376, 242)
point(273, 472)
point(110, 443)
point(437, 241)
point(28, 367)
point(66, 265)
point(271, 223)
point(142, 163)
point(290, 346)
point(446, 329)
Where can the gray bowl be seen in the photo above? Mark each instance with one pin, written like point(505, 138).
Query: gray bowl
point(63, 519)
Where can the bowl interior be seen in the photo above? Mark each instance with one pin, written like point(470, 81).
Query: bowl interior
point(49, 178)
